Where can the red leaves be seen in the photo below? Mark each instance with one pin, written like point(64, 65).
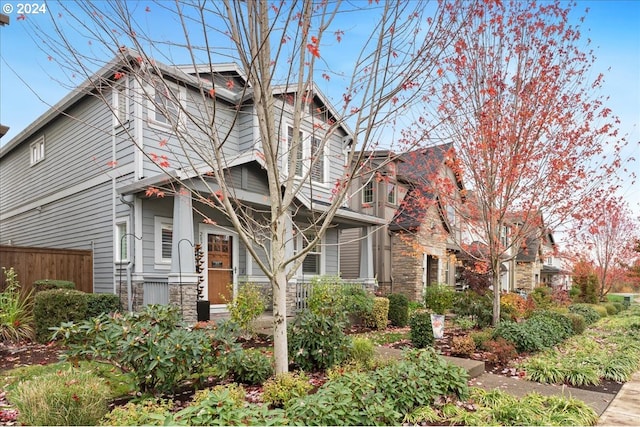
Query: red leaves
point(313, 47)
point(230, 84)
point(118, 76)
point(339, 34)
point(161, 160)
point(21, 17)
point(112, 164)
point(147, 9)
point(163, 143)
point(212, 92)
point(154, 191)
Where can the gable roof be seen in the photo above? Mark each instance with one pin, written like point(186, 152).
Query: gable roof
point(186, 74)
point(417, 168)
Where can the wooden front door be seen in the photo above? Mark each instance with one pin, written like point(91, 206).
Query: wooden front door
point(219, 268)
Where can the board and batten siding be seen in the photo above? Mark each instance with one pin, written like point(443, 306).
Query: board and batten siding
point(82, 220)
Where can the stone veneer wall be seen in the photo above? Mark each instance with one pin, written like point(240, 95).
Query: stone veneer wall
point(407, 267)
point(524, 275)
point(187, 296)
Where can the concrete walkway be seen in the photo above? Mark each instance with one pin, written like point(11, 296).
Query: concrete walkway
point(625, 408)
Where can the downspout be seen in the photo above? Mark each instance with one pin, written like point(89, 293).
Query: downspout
point(132, 254)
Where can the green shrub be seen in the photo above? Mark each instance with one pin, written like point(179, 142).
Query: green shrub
point(564, 321)
point(398, 309)
point(381, 396)
point(47, 284)
point(327, 298)
point(420, 377)
point(152, 345)
point(98, 304)
point(439, 298)
point(278, 391)
point(478, 307)
point(619, 306)
point(149, 412)
point(352, 398)
point(415, 306)
point(611, 308)
point(587, 311)
point(481, 337)
point(550, 330)
point(316, 341)
point(357, 302)
point(16, 311)
point(577, 323)
point(587, 285)
point(542, 297)
point(224, 406)
point(464, 322)
point(523, 338)
point(55, 306)
point(362, 350)
point(379, 315)
point(421, 333)
point(246, 306)
point(68, 397)
point(251, 367)
point(601, 310)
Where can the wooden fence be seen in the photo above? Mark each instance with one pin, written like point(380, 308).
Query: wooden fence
point(33, 264)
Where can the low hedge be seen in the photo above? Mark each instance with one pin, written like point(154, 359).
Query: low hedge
point(52, 307)
point(47, 284)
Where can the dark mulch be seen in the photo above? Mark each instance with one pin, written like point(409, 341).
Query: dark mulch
point(28, 354)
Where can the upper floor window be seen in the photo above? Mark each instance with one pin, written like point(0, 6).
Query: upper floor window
point(37, 150)
point(121, 102)
point(391, 193)
point(504, 236)
point(367, 192)
point(163, 239)
point(164, 108)
point(310, 155)
point(290, 142)
point(317, 153)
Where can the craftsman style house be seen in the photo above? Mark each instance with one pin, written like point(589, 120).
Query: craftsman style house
point(93, 173)
point(416, 248)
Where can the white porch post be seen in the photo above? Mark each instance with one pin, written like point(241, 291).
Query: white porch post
point(366, 256)
point(182, 278)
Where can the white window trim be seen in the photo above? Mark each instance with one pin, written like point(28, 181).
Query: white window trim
point(323, 255)
point(373, 193)
point(117, 241)
point(151, 108)
point(160, 262)
point(123, 84)
point(40, 153)
point(395, 193)
point(306, 155)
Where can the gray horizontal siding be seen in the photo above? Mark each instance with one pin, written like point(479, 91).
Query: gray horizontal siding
point(80, 221)
point(332, 263)
point(75, 149)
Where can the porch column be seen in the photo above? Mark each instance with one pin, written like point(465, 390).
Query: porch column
point(182, 278)
point(366, 256)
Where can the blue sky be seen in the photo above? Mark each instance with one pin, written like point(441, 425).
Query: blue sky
point(614, 31)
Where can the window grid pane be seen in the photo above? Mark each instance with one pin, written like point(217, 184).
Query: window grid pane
point(167, 237)
point(317, 172)
point(367, 193)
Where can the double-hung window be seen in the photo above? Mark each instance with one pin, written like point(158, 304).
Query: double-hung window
point(121, 102)
point(310, 155)
point(367, 193)
point(312, 263)
point(391, 193)
point(165, 108)
point(163, 240)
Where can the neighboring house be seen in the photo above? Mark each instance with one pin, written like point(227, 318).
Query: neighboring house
point(77, 178)
point(377, 192)
point(537, 264)
point(416, 249)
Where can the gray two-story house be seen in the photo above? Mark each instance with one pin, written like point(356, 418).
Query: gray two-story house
point(122, 166)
